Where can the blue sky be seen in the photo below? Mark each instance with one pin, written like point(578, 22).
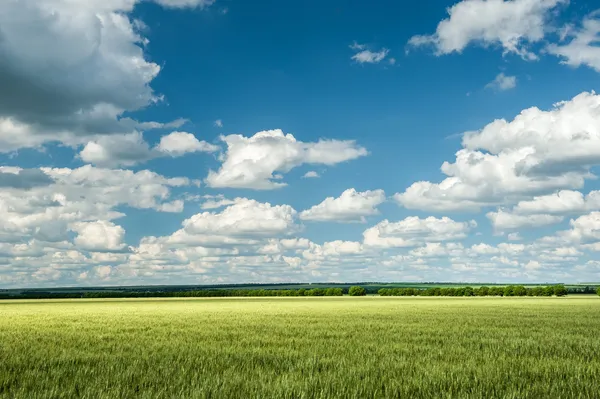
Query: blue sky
point(178, 141)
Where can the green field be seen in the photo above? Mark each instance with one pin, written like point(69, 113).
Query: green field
point(369, 347)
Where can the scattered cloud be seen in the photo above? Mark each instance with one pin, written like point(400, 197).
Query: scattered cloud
point(538, 152)
point(512, 25)
point(132, 149)
point(365, 56)
point(218, 123)
point(583, 48)
point(251, 162)
point(414, 230)
point(311, 175)
point(502, 220)
point(502, 82)
point(350, 206)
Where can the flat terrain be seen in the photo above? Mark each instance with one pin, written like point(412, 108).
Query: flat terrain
point(368, 347)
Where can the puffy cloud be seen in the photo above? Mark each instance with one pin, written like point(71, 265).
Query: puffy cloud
point(413, 230)
point(510, 24)
point(99, 236)
point(584, 228)
point(333, 249)
point(125, 149)
point(537, 152)
point(49, 50)
point(251, 162)
point(564, 201)
point(437, 249)
point(502, 82)
point(244, 222)
point(130, 149)
point(12, 177)
point(86, 194)
point(218, 123)
point(350, 206)
point(502, 220)
point(365, 56)
point(311, 174)
point(583, 48)
point(179, 143)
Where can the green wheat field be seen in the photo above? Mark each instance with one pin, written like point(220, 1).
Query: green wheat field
point(369, 347)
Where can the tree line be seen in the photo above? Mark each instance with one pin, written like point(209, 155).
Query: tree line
point(509, 290)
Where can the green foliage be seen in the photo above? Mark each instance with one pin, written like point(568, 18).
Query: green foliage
point(300, 348)
point(560, 290)
point(356, 290)
point(507, 291)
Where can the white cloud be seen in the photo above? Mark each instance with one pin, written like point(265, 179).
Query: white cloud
point(185, 3)
point(114, 150)
point(251, 162)
point(502, 220)
point(49, 50)
point(513, 25)
point(99, 236)
point(350, 206)
point(333, 249)
point(217, 201)
point(245, 218)
point(437, 249)
point(583, 49)
point(44, 211)
point(413, 231)
point(311, 175)
point(502, 82)
point(366, 56)
point(536, 153)
point(131, 149)
point(218, 123)
point(561, 202)
point(514, 236)
point(180, 143)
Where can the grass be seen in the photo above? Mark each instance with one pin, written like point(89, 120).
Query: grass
point(301, 348)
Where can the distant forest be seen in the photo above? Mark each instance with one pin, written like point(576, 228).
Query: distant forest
point(267, 290)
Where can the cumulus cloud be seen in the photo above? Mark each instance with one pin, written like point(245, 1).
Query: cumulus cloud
point(44, 212)
point(511, 24)
point(502, 220)
point(49, 50)
point(365, 56)
point(350, 206)
point(583, 48)
point(251, 162)
point(242, 222)
point(413, 231)
point(502, 82)
point(218, 123)
point(131, 149)
point(179, 143)
point(561, 202)
point(99, 236)
point(536, 153)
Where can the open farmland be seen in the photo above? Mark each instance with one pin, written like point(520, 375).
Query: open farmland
point(367, 347)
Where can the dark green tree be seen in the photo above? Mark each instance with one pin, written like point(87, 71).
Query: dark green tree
point(560, 290)
point(356, 290)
